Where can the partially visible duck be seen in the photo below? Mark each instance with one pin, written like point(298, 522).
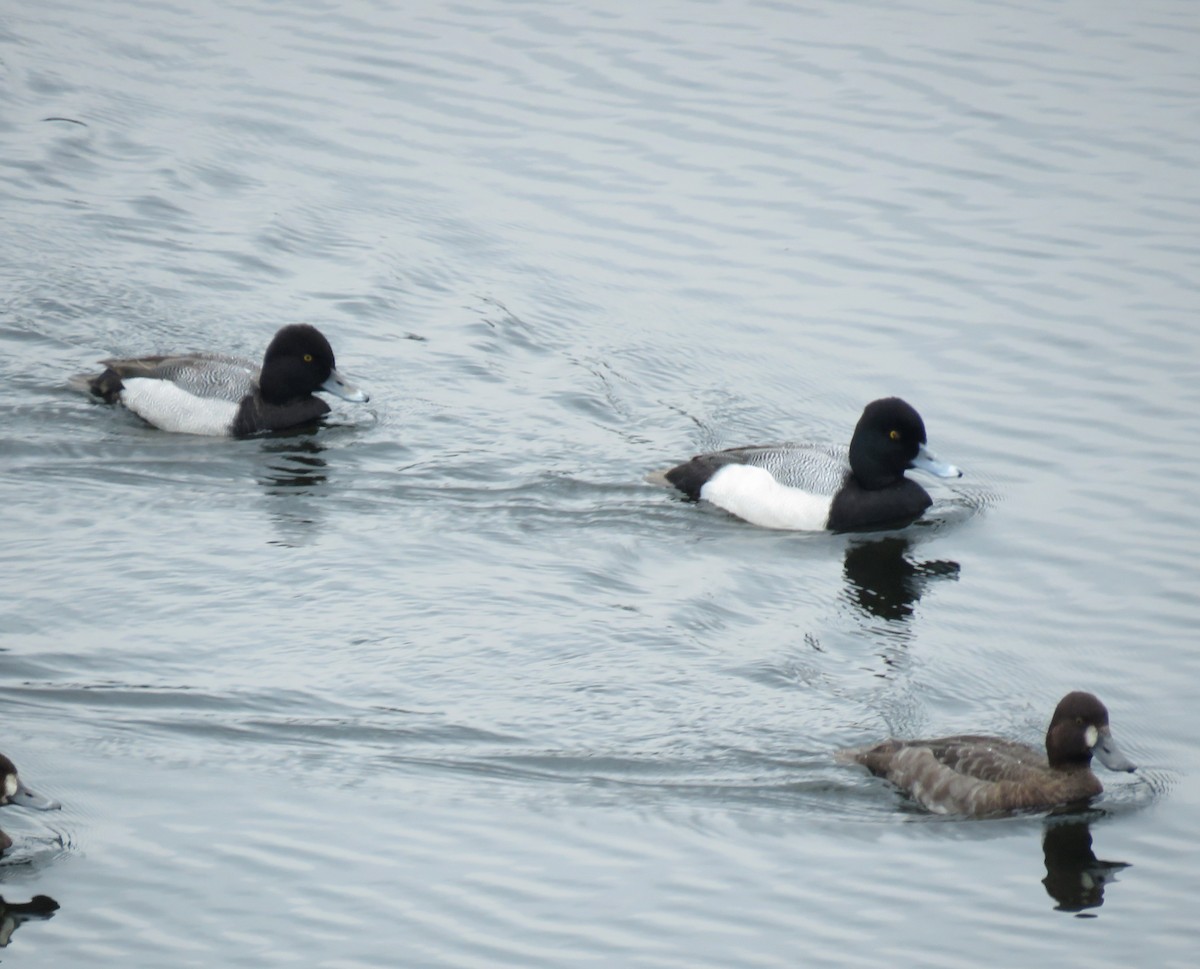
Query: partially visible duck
point(12, 914)
point(810, 487)
point(217, 394)
point(13, 792)
point(980, 776)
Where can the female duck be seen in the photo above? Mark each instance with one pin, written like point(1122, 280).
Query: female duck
point(980, 776)
point(809, 487)
point(215, 394)
point(13, 792)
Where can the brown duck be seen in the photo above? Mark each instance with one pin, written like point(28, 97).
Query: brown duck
point(12, 791)
point(980, 776)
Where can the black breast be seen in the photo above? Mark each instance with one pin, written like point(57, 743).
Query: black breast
point(255, 414)
point(855, 507)
point(692, 475)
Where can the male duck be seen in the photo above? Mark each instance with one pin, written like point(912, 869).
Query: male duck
point(809, 487)
point(12, 791)
point(12, 914)
point(980, 776)
point(216, 394)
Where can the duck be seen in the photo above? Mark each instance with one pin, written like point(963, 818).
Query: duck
point(217, 394)
point(810, 487)
point(981, 776)
point(12, 914)
point(13, 792)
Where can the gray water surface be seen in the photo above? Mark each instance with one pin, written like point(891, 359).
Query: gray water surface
point(446, 682)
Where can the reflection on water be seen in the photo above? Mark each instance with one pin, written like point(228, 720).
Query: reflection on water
point(1075, 877)
point(293, 462)
point(12, 914)
point(293, 473)
point(884, 581)
point(617, 230)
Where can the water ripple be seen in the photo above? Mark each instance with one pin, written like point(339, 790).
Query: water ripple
point(445, 678)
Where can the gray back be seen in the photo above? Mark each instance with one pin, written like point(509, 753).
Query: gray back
point(212, 375)
point(815, 468)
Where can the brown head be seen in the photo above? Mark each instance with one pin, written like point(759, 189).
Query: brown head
point(1079, 729)
point(13, 792)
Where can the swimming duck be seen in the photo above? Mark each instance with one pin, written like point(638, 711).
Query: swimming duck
point(12, 914)
point(810, 487)
point(15, 793)
point(980, 776)
point(216, 394)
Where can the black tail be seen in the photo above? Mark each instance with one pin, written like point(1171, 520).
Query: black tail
point(107, 386)
point(691, 476)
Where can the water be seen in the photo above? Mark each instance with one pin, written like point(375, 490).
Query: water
point(446, 683)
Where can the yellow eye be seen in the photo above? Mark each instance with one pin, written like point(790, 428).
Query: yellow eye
point(308, 359)
point(894, 435)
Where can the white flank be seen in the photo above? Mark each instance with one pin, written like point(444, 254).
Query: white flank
point(754, 495)
point(166, 406)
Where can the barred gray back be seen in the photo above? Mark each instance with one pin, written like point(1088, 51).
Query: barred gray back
point(815, 468)
point(210, 375)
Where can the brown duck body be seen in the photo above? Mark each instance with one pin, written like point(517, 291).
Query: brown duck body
point(978, 776)
point(13, 792)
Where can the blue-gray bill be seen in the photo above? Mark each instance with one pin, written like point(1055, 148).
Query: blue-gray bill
point(24, 797)
point(927, 461)
point(1109, 753)
point(339, 386)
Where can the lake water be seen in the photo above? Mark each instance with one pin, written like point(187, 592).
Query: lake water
point(446, 683)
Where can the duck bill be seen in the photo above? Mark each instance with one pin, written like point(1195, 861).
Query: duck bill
point(339, 386)
point(926, 461)
point(24, 797)
point(1110, 754)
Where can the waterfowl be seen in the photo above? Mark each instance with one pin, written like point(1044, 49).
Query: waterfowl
point(12, 914)
point(812, 487)
point(13, 792)
point(980, 776)
point(217, 394)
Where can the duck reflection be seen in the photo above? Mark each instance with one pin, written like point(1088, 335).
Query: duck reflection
point(294, 463)
point(883, 580)
point(1075, 877)
point(293, 472)
point(12, 914)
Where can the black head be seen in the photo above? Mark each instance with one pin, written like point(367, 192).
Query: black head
point(1079, 729)
point(297, 362)
point(886, 440)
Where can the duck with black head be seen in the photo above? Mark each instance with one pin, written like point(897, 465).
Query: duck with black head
point(218, 394)
point(979, 776)
point(811, 487)
point(13, 792)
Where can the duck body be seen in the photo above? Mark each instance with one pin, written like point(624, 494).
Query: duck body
point(12, 914)
point(14, 792)
point(811, 487)
point(982, 776)
point(222, 395)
